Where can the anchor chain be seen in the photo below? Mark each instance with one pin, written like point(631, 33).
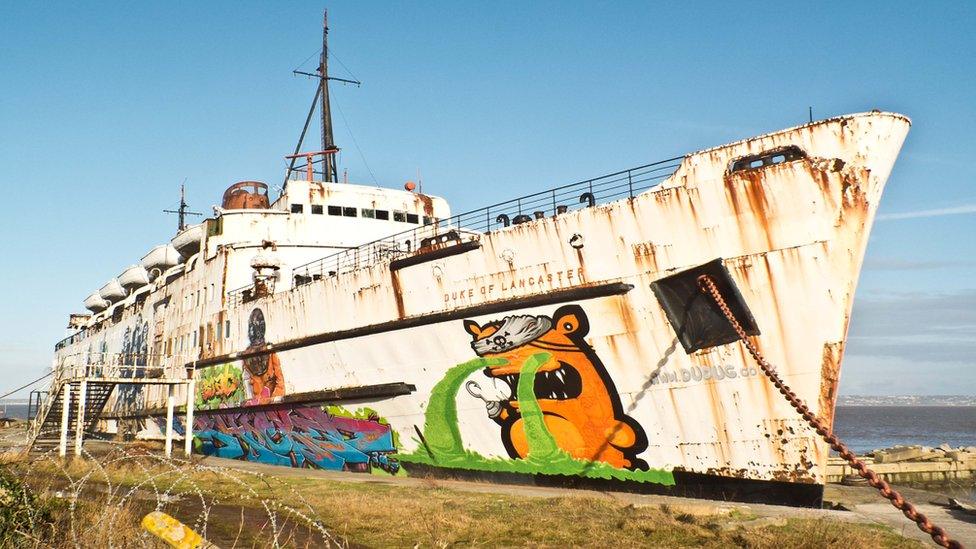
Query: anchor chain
point(939, 535)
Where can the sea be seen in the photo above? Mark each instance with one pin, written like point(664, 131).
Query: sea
point(867, 428)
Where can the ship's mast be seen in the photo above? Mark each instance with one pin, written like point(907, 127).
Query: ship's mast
point(329, 164)
point(183, 210)
point(329, 171)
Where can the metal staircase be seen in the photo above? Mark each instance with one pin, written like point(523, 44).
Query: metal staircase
point(48, 434)
point(85, 389)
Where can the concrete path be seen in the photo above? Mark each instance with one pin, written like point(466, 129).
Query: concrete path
point(865, 501)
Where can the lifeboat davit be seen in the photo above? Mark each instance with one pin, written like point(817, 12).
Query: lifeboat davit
point(134, 277)
point(188, 241)
point(112, 291)
point(96, 303)
point(159, 259)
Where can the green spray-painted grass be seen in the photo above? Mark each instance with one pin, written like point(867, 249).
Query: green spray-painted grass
point(444, 446)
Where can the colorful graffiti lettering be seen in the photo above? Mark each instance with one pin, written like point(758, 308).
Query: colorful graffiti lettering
point(330, 438)
point(219, 386)
point(580, 406)
point(265, 379)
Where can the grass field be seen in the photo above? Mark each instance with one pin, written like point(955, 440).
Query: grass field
point(99, 504)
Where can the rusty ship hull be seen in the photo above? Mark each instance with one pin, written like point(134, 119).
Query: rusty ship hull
point(539, 349)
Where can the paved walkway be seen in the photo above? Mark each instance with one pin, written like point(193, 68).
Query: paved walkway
point(866, 501)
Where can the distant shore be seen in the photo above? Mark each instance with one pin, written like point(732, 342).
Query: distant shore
point(906, 400)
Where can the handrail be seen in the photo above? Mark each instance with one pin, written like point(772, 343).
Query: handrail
point(553, 202)
point(116, 367)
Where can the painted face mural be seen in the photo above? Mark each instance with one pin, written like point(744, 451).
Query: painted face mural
point(264, 371)
point(135, 348)
point(580, 405)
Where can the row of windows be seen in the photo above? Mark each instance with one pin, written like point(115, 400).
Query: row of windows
point(369, 213)
point(187, 342)
point(191, 300)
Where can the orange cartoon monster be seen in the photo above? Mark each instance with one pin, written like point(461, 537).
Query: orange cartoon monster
point(579, 402)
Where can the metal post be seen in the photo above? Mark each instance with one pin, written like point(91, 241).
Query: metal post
point(65, 409)
point(188, 425)
point(170, 400)
point(80, 417)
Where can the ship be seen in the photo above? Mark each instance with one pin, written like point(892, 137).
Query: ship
point(556, 338)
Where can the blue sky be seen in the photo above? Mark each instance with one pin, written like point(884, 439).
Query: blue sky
point(106, 107)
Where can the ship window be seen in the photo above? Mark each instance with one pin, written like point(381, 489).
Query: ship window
point(220, 330)
point(227, 330)
point(335, 210)
point(399, 216)
point(297, 208)
point(317, 209)
point(768, 158)
point(194, 339)
point(382, 215)
point(428, 220)
point(348, 212)
point(413, 218)
point(368, 213)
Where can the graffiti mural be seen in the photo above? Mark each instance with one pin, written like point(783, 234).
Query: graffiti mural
point(264, 377)
point(315, 437)
point(580, 406)
point(219, 387)
point(556, 406)
point(135, 349)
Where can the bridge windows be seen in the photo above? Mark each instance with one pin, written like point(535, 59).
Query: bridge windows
point(399, 216)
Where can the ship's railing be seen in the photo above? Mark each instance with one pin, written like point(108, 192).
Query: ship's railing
point(121, 366)
point(239, 296)
point(70, 340)
point(469, 225)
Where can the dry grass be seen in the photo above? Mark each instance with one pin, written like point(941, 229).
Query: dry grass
point(241, 509)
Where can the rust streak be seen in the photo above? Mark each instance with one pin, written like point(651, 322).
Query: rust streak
point(829, 378)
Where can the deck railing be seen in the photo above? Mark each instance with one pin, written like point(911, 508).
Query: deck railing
point(120, 366)
point(470, 225)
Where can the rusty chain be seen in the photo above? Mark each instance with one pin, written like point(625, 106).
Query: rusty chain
point(939, 535)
